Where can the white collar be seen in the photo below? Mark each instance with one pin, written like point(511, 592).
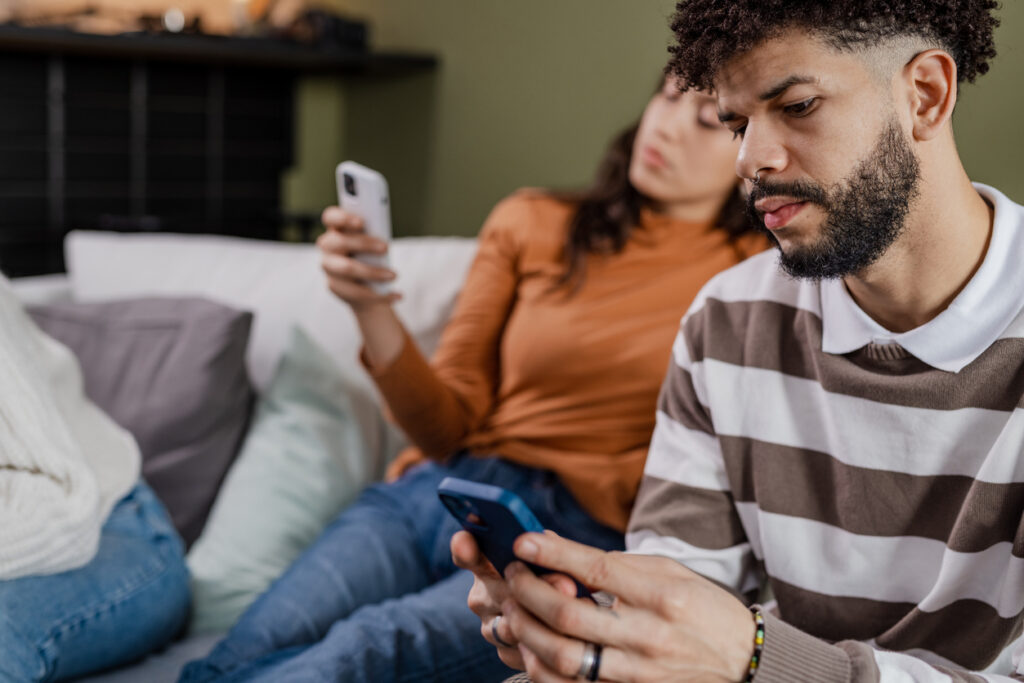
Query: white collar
point(975, 319)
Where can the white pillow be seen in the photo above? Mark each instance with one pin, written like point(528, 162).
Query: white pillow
point(303, 460)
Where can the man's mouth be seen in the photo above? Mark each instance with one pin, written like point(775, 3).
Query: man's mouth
point(779, 211)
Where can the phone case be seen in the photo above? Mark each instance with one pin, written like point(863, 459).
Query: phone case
point(494, 516)
point(364, 192)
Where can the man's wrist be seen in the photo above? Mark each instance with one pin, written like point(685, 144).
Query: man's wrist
point(743, 648)
point(792, 656)
point(755, 657)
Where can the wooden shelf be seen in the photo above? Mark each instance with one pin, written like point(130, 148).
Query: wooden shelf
point(212, 50)
point(135, 132)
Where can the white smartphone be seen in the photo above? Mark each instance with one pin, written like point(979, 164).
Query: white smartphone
point(364, 192)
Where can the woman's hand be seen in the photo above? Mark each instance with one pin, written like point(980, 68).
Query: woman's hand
point(667, 623)
point(383, 336)
point(347, 277)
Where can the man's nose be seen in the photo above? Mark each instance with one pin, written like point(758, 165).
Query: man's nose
point(760, 153)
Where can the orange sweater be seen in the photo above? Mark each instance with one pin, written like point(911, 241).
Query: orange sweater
point(565, 384)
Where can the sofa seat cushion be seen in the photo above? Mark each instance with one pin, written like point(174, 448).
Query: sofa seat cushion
point(160, 667)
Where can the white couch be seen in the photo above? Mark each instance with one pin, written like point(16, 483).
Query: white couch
point(283, 286)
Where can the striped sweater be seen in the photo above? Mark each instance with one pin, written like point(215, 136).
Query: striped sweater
point(874, 480)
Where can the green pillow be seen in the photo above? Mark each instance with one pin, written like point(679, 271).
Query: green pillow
point(303, 459)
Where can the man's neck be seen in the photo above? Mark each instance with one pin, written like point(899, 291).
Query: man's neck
point(942, 247)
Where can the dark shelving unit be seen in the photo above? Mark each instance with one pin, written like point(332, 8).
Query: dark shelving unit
point(150, 133)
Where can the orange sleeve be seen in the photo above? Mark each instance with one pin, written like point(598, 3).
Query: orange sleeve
point(438, 404)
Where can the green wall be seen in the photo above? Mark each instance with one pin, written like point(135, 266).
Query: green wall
point(528, 92)
point(988, 118)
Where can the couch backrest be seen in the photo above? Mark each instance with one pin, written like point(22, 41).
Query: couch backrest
point(280, 282)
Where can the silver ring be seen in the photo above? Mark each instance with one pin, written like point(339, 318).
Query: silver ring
point(494, 632)
point(591, 661)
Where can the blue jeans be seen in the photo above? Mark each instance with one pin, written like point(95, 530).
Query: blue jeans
point(377, 597)
point(130, 599)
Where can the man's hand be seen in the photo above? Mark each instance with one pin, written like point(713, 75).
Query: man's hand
point(490, 590)
point(667, 623)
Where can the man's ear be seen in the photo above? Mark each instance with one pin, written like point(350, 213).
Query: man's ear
point(932, 87)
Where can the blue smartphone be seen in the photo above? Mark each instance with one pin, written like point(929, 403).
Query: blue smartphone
point(496, 518)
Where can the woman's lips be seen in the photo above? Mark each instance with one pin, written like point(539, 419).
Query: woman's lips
point(653, 157)
point(782, 215)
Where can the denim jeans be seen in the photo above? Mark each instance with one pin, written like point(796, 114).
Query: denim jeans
point(129, 600)
point(377, 597)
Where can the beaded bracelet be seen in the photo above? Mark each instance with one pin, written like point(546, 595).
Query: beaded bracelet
point(755, 659)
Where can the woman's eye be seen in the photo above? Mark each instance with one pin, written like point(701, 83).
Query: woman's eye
point(738, 132)
point(801, 108)
point(707, 117)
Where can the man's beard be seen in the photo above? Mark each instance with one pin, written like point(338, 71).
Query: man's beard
point(865, 214)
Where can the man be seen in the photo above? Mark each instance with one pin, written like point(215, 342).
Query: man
point(843, 419)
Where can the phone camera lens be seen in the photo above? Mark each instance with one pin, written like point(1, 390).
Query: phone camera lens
point(470, 514)
point(350, 184)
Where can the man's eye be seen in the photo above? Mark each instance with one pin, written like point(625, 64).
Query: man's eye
point(801, 108)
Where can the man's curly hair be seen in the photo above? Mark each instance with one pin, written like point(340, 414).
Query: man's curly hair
point(712, 32)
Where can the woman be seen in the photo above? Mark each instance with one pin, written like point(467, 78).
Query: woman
point(92, 573)
point(545, 383)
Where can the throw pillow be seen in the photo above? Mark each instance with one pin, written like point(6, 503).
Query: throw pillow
point(172, 372)
point(303, 460)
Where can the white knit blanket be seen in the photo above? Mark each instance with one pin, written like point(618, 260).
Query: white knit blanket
point(63, 463)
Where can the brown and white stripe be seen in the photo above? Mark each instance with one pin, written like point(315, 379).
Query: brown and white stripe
point(881, 498)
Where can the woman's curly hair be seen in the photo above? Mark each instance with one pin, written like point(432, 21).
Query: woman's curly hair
point(711, 32)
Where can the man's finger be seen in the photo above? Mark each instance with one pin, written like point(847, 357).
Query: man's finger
point(559, 656)
point(512, 658)
point(615, 573)
point(466, 555)
point(614, 665)
point(562, 583)
point(501, 633)
point(539, 672)
point(571, 616)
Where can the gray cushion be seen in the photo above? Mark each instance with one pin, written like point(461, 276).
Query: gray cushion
point(171, 372)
